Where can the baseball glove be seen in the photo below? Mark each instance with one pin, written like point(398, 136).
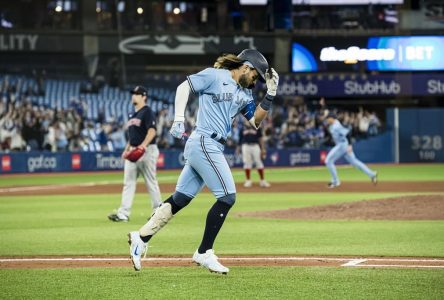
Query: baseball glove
point(135, 154)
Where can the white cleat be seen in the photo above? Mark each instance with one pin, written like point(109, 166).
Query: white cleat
point(248, 183)
point(209, 261)
point(332, 185)
point(137, 249)
point(375, 179)
point(264, 184)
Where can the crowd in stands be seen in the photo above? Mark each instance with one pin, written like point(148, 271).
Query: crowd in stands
point(27, 126)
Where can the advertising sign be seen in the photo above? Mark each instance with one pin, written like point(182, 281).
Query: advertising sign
point(352, 85)
point(413, 53)
point(346, 2)
point(386, 53)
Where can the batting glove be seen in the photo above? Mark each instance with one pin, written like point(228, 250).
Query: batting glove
point(178, 129)
point(272, 81)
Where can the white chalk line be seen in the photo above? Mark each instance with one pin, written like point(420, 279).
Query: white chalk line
point(58, 186)
point(350, 262)
point(399, 266)
point(353, 262)
point(51, 187)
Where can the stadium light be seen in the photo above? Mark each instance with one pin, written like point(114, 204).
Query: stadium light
point(140, 10)
point(176, 10)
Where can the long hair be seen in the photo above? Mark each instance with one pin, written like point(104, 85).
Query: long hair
point(228, 61)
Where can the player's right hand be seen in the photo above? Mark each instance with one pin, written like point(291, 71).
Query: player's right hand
point(178, 129)
point(124, 154)
point(272, 81)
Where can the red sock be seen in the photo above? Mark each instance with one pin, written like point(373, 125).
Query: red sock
point(247, 173)
point(261, 173)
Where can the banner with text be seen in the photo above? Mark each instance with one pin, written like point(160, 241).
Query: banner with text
point(352, 85)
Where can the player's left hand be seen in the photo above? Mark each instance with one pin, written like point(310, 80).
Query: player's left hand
point(178, 130)
point(272, 81)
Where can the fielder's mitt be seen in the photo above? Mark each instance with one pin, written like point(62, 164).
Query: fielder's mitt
point(135, 154)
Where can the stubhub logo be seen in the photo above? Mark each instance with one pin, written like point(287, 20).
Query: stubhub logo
point(435, 86)
point(293, 88)
point(377, 87)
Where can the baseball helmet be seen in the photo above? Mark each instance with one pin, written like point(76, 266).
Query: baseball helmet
point(256, 58)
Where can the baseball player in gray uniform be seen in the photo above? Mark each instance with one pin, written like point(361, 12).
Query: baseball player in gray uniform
point(142, 133)
point(253, 150)
point(343, 148)
point(224, 91)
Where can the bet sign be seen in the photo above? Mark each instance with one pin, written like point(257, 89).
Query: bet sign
point(396, 53)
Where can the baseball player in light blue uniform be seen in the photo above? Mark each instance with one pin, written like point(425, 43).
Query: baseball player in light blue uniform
point(224, 92)
point(343, 148)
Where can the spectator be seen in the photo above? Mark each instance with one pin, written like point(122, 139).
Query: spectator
point(60, 136)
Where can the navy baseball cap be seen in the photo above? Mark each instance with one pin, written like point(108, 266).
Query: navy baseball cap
point(139, 90)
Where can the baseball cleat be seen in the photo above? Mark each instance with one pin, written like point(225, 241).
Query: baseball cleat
point(209, 261)
point(137, 248)
point(118, 218)
point(248, 184)
point(375, 179)
point(264, 184)
point(332, 185)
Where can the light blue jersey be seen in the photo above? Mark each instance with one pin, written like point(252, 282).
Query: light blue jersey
point(220, 100)
point(338, 132)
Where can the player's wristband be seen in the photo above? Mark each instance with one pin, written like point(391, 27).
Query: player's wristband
point(266, 103)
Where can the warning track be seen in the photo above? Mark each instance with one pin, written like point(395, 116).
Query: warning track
point(230, 261)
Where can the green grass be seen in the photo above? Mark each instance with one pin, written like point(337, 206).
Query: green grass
point(426, 172)
point(77, 225)
point(241, 283)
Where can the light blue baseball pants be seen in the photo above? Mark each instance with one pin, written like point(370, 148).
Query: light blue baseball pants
point(336, 153)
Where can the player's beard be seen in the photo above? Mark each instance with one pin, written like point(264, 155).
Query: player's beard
point(244, 82)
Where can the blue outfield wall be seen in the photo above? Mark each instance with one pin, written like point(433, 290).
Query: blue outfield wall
point(370, 150)
point(421, 139)
point(421, 134)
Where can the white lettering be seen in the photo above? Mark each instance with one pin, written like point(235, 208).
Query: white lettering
point(32, 41)
point(181, 159)
point(109, 162)
point(20, 42)
point(293, 88)
point(355, 53)
point(300, 158)
point(377, 87)
point(435, 86)
point(41, 162)
point(418, 52)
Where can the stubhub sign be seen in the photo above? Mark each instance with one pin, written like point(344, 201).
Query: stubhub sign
point(411, 53)
point(352, 85)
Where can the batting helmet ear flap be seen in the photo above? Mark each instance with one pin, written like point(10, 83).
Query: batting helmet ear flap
point(258, 61)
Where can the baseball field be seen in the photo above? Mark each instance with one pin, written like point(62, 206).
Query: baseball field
point(296, 239)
